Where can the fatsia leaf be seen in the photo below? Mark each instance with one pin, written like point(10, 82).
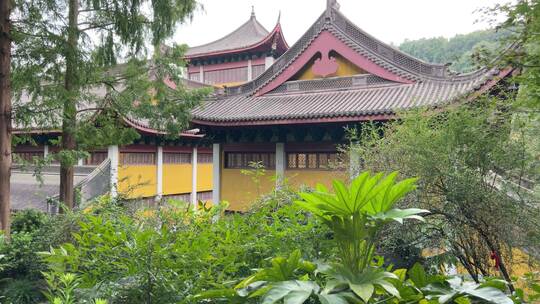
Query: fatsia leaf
point(296, 289)
point(333, 299)
point(490, 294)
point(399, 215)
point(342, 194)
point(389, 287)
point(364, 291)
point(297, 297)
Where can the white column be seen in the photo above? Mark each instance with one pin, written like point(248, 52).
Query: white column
point(216, 174)
point(159, 173)
point(114, 155)
point(201, 73)
point(249, 70)
point(280, 164)
point(80, 162)
point(194, 165)
point(268, 61)
point(45, 150)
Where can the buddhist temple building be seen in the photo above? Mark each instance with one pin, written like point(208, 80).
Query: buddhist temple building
point(239, 57)
point(283, 108)
point(292, 117)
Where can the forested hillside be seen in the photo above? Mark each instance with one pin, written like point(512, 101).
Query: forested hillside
point(456, 50)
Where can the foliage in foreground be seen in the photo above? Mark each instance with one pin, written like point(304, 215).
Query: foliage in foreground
point(356, 215)
point(165, 255)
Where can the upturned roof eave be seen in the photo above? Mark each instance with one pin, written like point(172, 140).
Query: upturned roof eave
point(378, 115)
point(268, 39)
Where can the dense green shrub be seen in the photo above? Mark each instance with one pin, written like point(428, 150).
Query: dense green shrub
point(164, 255)
point(28, 220)
point(21, 268)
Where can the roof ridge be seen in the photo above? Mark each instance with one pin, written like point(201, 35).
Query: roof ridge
point(257, 26)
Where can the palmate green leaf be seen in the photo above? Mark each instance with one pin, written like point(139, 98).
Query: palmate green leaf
point(332, 299)
point(342, 195)
point(399, 215)
point(362, 284)
point(291, 292)
point(364, 291)
point(388, 193)
point(368, 190)
point(356, 190)
point(322, 203)
point(345, 297)
point(490, 294)
point(379, 200)
point(282, 269)
point(389, 287)
point(455, 287)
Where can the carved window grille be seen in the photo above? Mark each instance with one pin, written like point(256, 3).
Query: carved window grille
point(138, 158)
point(204, 158)
point(195, 77)
point(226, 76)
point(325, 161)
point(243, 160)
point(177, 158)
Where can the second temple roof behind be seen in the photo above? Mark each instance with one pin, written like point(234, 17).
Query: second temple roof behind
point(250, 36)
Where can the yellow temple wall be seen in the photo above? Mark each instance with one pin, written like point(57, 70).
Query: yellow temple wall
point(345, 68)
point(310, 178)
point(241, 191)
point(137, 180)
point(204, 177)
point(177, 178)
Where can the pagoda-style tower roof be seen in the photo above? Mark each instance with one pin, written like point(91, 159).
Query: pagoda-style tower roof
point(251, 36)
point(385, 81)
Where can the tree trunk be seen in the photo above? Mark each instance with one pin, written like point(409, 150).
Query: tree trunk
point(69, 123)
point(5, 115)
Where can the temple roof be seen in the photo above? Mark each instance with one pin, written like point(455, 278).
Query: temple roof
point(392, 81)
point(248, 35)
point(354, 98)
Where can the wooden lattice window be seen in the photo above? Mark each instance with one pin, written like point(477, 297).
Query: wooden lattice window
point(138, 158)
point(326, 160)
point(177, 158)
point(242, 160)
point(204, 158)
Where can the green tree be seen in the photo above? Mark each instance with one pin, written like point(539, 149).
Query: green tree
point(523, 18)
point(470, 161)
point(5, 115)
point(458, 51)
point(66, 74)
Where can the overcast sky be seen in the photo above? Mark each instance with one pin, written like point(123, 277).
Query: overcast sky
point(392, 21)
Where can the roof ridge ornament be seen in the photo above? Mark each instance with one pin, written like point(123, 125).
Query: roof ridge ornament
point(331, 5)
point(253, 12)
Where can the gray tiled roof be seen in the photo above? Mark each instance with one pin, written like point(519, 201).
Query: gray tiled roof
point(355, 96)
point(246, 35)
point(315, 101)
